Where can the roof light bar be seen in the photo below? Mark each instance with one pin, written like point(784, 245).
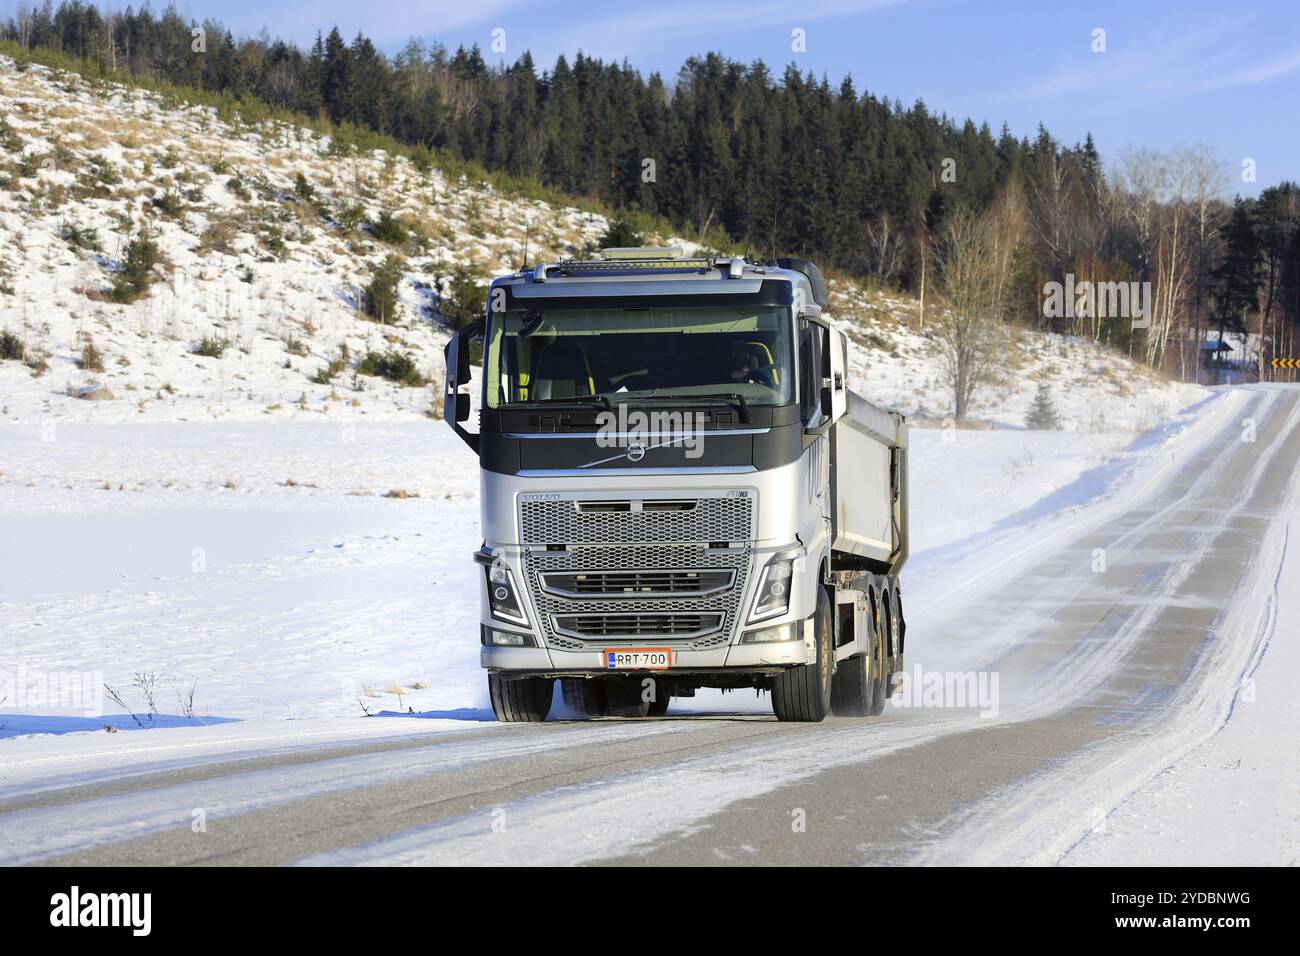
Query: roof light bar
point(642, 252)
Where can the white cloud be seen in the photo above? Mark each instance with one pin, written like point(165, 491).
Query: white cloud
point(1209, 57)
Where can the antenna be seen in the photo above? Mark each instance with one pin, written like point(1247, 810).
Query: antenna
point(528, 226)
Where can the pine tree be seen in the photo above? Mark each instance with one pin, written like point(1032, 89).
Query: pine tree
point(380, 299)
point(388, 228)
point(466, 298)
point(1236, 280)
point(1042, 414)
point(620, 234)
point(137, 271)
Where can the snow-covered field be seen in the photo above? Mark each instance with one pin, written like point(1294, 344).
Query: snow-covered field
point(276, 569)
point(266, 562)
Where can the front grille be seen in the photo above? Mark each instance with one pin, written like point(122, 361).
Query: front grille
point(672, 570)
point(636, 626)
point(642, 582)
point(569, 521)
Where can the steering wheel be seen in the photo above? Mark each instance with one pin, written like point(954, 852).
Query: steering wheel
point(768, 367)
point(624, 378)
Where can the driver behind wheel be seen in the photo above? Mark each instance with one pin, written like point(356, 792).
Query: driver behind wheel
point(747, 367)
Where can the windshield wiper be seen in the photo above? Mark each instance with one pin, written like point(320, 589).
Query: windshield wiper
point(736, 399)
point(731, 398)
point(582, 401)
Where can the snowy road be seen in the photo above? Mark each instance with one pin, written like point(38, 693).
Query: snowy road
point(1123, 634)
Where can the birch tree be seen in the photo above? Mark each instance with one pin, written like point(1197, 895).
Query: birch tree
point(970, 335)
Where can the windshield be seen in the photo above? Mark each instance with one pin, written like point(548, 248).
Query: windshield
point(630, 354)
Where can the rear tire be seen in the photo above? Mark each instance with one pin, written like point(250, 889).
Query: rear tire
point(522, 700)
point(851, 691)
point(625, 698)
point(585, 696)
point(880, 676)
point(898, 639)
point(803, 693)
point(663, 696)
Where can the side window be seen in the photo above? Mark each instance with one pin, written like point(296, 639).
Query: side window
point(801, 360)
point(810, 368)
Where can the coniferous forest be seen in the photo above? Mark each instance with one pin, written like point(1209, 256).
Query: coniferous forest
point(746, 158)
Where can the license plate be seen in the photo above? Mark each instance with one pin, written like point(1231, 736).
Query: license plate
point(638, 658)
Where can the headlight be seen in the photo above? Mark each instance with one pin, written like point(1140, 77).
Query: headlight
point(503, 599)
point(769, 635)
point(773, 590)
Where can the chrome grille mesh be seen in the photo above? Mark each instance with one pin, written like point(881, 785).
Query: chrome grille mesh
point(623, 625)
point(643, 582)
point(561, 522)
point(662, 542)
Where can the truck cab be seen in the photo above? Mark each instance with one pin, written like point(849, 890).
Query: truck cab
point(660, 439)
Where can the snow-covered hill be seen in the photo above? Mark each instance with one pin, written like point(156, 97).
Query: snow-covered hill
point(265, 246)
point(250, 257)
point(1093, 388)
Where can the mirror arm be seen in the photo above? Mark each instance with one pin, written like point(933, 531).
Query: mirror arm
point(468, 437)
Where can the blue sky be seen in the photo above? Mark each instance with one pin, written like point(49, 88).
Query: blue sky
point(1226, 74)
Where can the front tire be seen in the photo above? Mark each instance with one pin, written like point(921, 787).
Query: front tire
point(803, 693)
point(520, 700)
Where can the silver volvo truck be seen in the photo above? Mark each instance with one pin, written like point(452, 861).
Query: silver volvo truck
point(679, 490)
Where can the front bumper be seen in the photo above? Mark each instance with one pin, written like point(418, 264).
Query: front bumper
point(736, 657)
point(739, 657)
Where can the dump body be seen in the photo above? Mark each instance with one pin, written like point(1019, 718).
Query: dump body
point(868, 487)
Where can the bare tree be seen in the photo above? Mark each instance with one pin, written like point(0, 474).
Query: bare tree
point(1143, 176)
point(1053, 219)
point(1206, 177)
point(1008, 227)
point(972, 283)
point(884, 250)
point(1152, 183)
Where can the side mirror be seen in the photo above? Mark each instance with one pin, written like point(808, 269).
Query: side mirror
point(456, 404)
point(832, 357)
point(463, 374)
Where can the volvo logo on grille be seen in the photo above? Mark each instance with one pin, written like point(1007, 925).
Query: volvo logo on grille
point(635, 452)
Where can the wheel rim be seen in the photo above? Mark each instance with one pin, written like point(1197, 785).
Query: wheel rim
point(824, 641)
point(881, 648)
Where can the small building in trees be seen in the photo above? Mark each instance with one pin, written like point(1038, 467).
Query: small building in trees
point(1228, 361)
